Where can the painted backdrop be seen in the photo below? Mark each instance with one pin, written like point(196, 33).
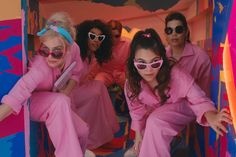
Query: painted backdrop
point(12, 59)
point(224, 37)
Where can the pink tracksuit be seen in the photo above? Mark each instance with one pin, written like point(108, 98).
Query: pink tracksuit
point(66, 129)
point(160, 123)
point(114, 71)
point(197, 63)
point(92, 103)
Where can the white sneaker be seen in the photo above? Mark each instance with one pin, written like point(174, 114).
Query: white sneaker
point(130, 153)
point(89, 153)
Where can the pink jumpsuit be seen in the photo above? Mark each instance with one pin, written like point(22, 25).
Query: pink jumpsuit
point(196, 62)
point(67, 131)
point(160, 124)
point(114, 71)
point(92, 103)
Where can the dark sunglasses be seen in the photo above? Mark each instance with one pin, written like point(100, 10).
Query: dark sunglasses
point(178, 30)
point(154, 65)
point(93, 36)
point(57, 54)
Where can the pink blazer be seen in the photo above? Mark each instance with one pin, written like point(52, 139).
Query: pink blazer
point(197, 63)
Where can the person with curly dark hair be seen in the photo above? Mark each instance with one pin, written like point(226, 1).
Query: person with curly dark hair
point(91, 99)
point(113, 72)
point(95, 40)
point(158, 95)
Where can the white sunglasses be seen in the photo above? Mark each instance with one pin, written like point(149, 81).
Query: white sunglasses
point(93, 36)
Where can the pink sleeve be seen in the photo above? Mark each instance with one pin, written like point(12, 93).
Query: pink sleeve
point(25, 86)
point(199, 102)
point(137, 111)
point(204, 77)
point(76, 74)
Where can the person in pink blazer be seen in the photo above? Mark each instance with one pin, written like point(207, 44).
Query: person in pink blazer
point(113, 72)
point(188, 56)
point(91, 99)
point(158, 95)
point(57, 51)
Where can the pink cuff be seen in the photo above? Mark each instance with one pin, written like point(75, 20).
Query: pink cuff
point(201, 118)
point(13, 103)
point(138, 125)
point(75, 77)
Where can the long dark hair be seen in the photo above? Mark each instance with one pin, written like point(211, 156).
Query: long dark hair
point(103, 53)
point(148, 39)
point(180, 17)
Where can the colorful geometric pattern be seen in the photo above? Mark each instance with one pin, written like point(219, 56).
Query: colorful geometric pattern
point(12, 141)
point(222, 16)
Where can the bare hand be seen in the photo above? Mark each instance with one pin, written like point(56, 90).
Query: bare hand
point(216, 120)
point(137, 142)
point(5, 111)
point(65, 91)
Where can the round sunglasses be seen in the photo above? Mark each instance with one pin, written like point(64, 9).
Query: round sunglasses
point(57, 54)
point(93, 36)
point(177, 29)
point(153, 65)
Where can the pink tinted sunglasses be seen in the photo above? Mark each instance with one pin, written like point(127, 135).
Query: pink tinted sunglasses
point(57, 54)
point(154, 65)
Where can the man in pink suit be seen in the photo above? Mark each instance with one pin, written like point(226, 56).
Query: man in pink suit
point(158, 95)
point(113, 72)
point(67, 130)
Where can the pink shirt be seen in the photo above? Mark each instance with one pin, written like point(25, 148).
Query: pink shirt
point(146, 102)
point(40, 77)
point(120, 53)
point(197, 63)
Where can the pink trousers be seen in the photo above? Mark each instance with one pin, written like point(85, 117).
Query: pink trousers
point(62, 123)
point(92, 103)
point(162, 125)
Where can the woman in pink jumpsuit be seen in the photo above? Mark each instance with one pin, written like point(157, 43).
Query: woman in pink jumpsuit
point(67, 130)
point(159, 95)
point(188, 57)
point(113, 72)
point(91, 99)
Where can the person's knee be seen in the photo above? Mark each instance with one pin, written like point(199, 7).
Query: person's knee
point(84, 130)
point(100, 77)
point(105, 78)
point(62, 100)
point(154, 121)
